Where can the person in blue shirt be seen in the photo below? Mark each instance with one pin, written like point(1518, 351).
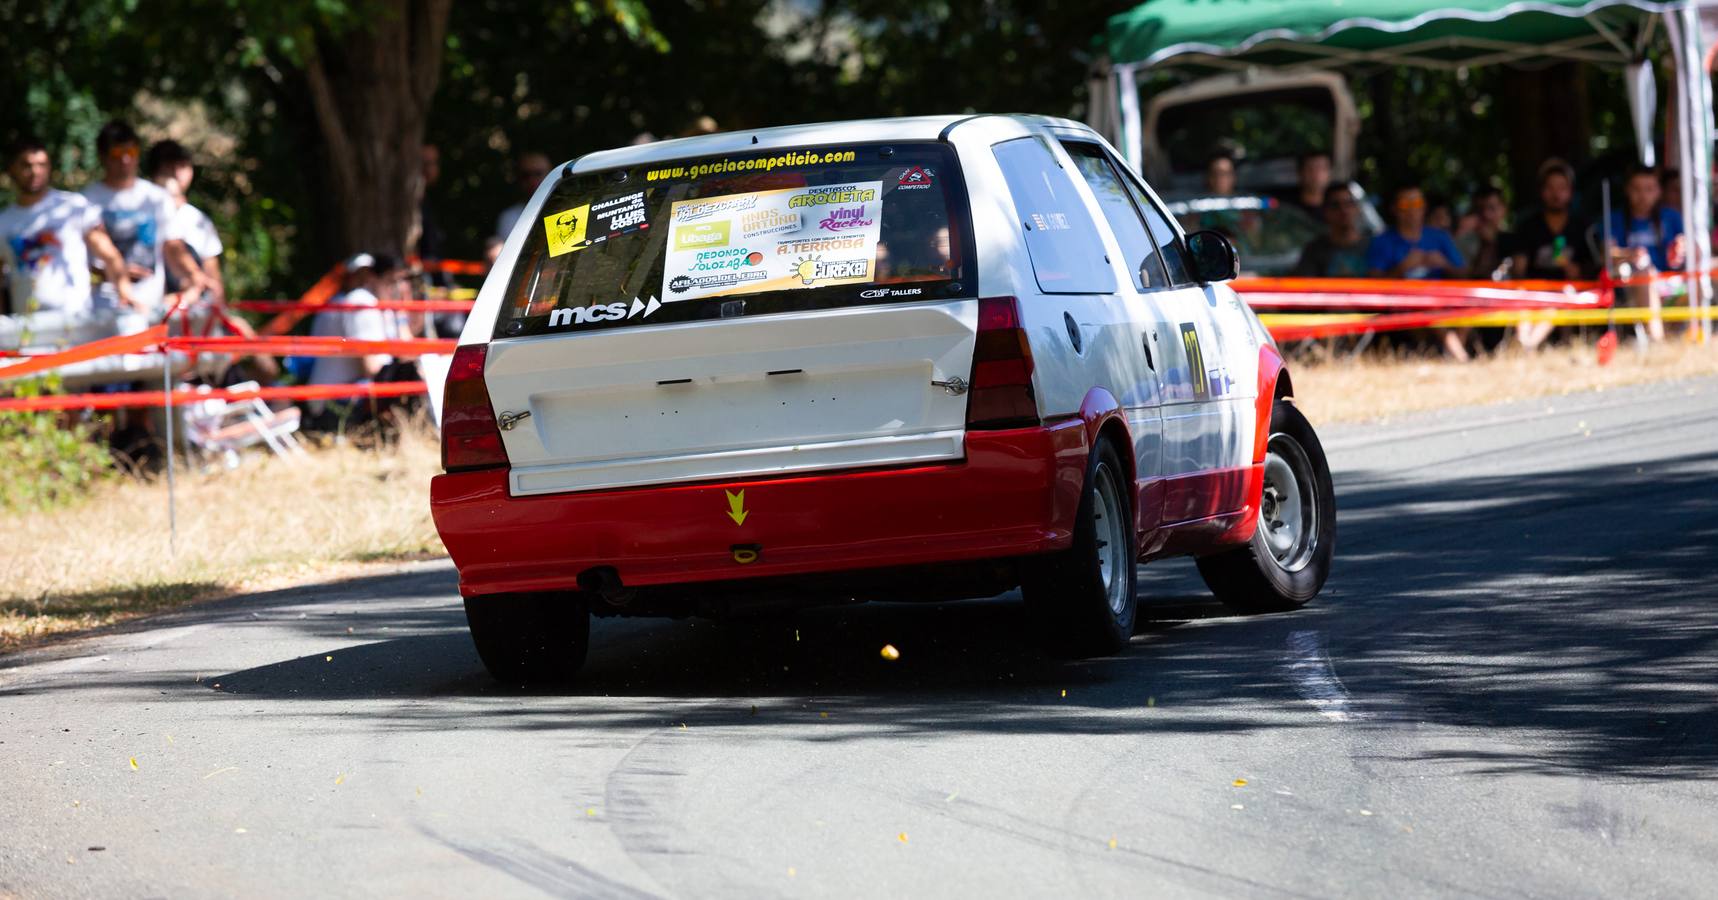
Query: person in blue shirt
point(1646, 236)
point(1413, 249)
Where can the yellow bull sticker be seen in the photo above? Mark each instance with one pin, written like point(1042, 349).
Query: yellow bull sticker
point(566, 229)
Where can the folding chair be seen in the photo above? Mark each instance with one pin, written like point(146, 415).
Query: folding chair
point(217, 427)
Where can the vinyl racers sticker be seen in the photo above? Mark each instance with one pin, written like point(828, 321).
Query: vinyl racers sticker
point(803, 237)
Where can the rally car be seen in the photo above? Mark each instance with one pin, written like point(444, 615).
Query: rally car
point(917, 358)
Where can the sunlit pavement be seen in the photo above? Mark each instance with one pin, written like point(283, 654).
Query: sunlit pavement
point(1509, 687)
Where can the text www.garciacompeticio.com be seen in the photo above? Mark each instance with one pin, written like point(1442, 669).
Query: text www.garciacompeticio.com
point(761, 164)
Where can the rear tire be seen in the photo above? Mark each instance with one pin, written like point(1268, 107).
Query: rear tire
point(1081, 600)
point(1288, 559)
point(530, 638)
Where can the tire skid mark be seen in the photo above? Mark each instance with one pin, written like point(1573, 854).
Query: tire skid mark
point(1315, 679)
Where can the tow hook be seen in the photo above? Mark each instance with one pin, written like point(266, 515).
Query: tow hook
point(955, 385)
point(507, 420)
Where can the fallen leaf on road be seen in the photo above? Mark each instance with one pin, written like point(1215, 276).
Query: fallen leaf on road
point(327, 659)
point(1064, 692)
point(1112, 843)
point(823, 715)
point(1240, 782)
point(134, 763)
point(890, 653)
point(902, 836)
point(590, 812)
point(340, 778)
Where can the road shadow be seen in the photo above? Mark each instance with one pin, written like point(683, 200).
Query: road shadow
point(1568, 616)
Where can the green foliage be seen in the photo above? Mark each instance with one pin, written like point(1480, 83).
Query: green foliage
point(48, 461)
point(571, 76)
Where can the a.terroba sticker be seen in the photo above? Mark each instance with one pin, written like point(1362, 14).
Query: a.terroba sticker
point(566, 229)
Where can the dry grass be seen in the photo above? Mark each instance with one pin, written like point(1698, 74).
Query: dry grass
point(270, 523)
point(1378, 386)
point(273, 524)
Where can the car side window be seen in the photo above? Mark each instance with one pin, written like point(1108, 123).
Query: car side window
point(1063, 242)
point(1172, 250)
point(1139, 249)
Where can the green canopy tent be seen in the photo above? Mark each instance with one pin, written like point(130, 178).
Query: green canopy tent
point(1217, 35)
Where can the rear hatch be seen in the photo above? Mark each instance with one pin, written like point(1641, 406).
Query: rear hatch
point(738, 316)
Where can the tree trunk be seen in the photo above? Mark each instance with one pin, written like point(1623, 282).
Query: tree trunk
point(1548, 115)
point(371, 88)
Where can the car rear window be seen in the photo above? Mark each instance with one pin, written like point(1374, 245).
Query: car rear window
point(716, 237)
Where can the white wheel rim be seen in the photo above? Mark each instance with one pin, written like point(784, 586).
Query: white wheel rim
point(1110, 529)
point(1288, 511)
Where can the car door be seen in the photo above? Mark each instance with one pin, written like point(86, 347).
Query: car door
point(1145, 274)
point(1207, 408)
point(1084, 332)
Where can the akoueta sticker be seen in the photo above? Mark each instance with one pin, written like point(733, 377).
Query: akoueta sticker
point(566, 229)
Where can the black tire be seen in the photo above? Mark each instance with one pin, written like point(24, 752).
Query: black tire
point(530, 638)
point(1286, 562)
point(1081, 601)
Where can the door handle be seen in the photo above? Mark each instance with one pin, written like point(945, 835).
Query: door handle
point(1146, 343)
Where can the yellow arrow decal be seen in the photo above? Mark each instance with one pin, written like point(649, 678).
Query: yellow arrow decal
point(737, 507)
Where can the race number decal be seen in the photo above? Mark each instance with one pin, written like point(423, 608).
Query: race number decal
point(1195, 362)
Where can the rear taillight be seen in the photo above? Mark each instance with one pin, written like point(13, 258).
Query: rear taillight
point(1001, 391)
point(469, 436)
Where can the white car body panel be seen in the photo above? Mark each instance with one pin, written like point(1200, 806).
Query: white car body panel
point(687, 401)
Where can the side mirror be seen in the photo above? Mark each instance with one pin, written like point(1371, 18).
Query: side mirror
point(1214, 258)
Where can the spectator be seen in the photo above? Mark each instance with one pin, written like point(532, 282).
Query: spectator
point(1440, 215)
point(1313, 173)
point(1647, 237)
point(1551, 245)
point(529, 172)
point(1220, 174)
point(701, 126)
point(357, 289)
point(168, 165)
point(1672, 189)
point(1486, 246)
point(1411, 248)
point(138, 216)
point(1340, 252)
point(48, 236)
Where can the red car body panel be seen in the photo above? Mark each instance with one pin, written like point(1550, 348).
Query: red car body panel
point(1015, 493)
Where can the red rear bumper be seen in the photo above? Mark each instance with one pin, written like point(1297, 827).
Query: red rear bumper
point(1015, 493)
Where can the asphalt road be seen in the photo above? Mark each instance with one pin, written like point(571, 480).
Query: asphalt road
point(1510, 688)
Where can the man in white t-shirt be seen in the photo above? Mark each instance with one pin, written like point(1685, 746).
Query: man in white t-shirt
point(529, 172)
point(139, 217)
point(169, 165)
point(48, 237)
point(367, 324)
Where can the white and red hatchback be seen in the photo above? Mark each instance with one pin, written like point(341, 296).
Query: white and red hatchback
point(909, 358)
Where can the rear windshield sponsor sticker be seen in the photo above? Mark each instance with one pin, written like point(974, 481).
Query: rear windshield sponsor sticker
point(802, 237)
point(566, 229)
point(916, 178)
point(592, 223)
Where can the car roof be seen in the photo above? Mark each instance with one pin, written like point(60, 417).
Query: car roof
point(907, 128)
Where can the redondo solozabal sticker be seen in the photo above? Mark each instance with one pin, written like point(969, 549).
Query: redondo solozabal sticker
point(802, 237)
